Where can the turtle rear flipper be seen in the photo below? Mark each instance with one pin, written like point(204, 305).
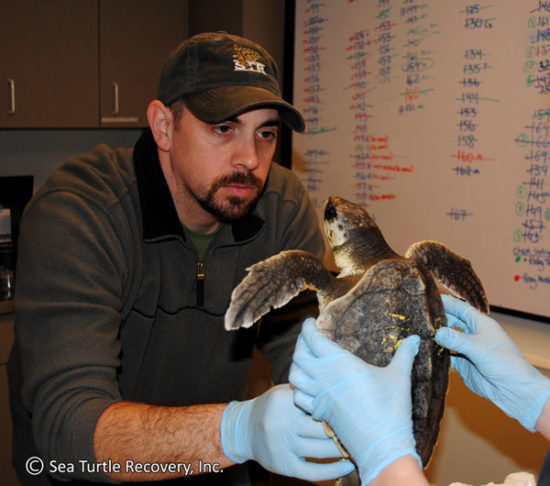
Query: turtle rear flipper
point(352, 479)
point(451, 270)
point(272, 283)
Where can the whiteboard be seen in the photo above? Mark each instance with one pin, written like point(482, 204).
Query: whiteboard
point(435, 116)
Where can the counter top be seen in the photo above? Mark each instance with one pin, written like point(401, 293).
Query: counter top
point(6, 307)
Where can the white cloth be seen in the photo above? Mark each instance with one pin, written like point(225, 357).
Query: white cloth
point(514, 479)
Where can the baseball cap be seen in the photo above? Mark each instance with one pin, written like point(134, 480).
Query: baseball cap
point(219, 75)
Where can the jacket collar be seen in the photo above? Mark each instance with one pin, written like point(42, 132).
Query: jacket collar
point(159, 215)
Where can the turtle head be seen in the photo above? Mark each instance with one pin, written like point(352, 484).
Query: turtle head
point(343, 219)
point(353, 236)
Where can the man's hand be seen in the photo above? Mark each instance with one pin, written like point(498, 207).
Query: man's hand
point(273, 431)
point(491, 365)
point(368, 407)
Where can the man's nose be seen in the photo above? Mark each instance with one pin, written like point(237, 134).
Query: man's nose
point(247, 155)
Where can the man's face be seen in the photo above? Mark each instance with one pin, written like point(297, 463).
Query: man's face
point(219, 170)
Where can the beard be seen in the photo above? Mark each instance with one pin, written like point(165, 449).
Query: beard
point(231, 208)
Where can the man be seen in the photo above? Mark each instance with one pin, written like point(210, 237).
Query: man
point(122, 369)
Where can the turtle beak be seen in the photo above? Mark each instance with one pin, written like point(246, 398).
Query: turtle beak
point(330, 210)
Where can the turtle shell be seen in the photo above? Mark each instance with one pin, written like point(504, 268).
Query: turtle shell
point(394, 299)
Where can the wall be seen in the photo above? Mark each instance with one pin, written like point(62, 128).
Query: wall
point(39, 152)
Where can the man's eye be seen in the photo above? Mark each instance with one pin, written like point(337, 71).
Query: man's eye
point(222, 129)
point(267, 134)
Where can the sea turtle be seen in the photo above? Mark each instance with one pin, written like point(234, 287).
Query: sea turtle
point(377, 299)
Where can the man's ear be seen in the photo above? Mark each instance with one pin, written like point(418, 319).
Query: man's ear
point(160, 120)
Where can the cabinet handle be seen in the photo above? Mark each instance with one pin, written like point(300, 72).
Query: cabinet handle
point(11, 84)
point(115, 105)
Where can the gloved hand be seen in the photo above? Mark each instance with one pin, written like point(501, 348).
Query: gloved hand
point(271, 430)
point(491, 365)
point(368, 407)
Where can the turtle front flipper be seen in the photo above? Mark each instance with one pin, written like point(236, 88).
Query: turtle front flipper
point(453, 271)
point(272, 283)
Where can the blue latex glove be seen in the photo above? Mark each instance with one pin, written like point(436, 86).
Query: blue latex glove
point(491, 365)
point(271, 430)
point(368, 407)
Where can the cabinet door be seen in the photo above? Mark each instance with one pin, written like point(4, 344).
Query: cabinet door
point(49, 64)
point(136, 36)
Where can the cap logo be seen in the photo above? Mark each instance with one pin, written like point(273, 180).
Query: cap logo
point(247, 59)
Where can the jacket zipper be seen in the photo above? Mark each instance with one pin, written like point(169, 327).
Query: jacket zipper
point(200, 284)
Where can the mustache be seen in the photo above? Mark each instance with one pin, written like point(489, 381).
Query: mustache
point(244, 178)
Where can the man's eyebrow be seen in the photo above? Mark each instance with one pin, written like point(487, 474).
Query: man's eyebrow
point(272, 122)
